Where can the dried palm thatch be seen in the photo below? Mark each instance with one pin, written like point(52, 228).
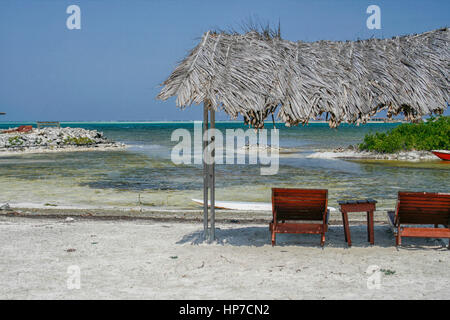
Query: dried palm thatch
point(257, 73)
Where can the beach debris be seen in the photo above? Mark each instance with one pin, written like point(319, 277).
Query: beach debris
point(387, 272)
point(50, 205)
point(87, 214)
point(226, 259)
point(22, 129)
point(14, 213)
point(139, 203)
point(69, 219)
point(71, 250)
point(173, 257)
point(5, 207)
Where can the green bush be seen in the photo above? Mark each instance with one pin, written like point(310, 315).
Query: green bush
point(80, 141)
point(433, 134)
point(15, 141)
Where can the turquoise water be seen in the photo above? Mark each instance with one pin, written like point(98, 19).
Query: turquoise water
point(144, 172)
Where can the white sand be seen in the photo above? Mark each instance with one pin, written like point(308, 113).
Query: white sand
point(166, 260)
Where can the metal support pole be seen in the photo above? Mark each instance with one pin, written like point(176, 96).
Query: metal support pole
point(205, 171)
point(212, 178)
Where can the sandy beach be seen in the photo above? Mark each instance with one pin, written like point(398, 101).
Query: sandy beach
point(147, 259)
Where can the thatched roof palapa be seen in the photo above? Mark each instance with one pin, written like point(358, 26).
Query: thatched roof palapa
point(256, 74)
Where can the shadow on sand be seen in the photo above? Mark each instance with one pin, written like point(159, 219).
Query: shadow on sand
point(259, 236)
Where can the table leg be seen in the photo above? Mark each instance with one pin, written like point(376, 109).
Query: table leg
point(347, 229)
point(370, 226)
point(343, 223)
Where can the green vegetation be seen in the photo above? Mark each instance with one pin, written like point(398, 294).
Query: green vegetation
point(80, 141)
point(433, 134)
point(50, 205)
point(15, 141)
point(387, 272)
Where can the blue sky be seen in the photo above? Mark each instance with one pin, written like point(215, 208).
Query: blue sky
point(111, 69)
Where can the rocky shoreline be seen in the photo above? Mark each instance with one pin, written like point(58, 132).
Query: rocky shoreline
point(55, 140)
point(352, 152)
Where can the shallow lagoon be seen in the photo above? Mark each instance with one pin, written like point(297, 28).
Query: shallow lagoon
point(145, 174)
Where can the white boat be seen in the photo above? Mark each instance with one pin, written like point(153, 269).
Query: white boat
point(242, 205)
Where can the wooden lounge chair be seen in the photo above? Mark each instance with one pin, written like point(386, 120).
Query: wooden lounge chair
point(294, 210)
point(421, 208)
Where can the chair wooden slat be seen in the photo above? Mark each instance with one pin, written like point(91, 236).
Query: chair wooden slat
point(293, 205)
point(422, 208)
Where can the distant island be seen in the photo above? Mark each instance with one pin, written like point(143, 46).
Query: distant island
point(26, 139)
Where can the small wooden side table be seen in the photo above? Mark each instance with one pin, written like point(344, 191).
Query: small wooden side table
point(365, 205)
